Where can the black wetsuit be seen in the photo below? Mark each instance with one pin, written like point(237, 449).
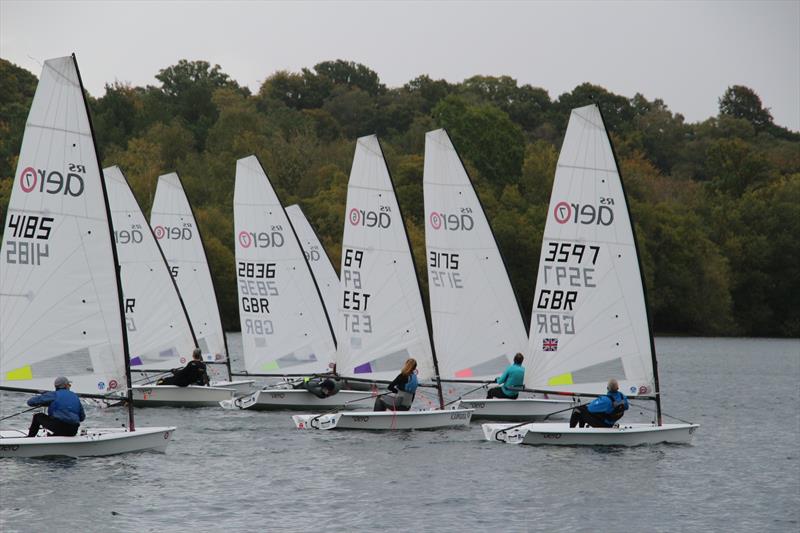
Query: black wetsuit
point(193, 373)
point(401, 400)
point(314, 386)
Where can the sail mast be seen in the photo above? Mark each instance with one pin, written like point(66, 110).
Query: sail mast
point(641, 273)
point(131, 424)
point(525, 323)
point(205, 255)
point(305, 260)
point(164, 259)
point(416, 275)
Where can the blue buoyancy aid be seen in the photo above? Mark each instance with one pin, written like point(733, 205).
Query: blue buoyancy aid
point(62, 404)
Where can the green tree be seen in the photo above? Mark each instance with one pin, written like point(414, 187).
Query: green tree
point(734, 166)
point(742, 102)
point(351, 75)
point(525, 105)
point(431, 91)
point(486, 136)
point(188, 87)
point(17, 87)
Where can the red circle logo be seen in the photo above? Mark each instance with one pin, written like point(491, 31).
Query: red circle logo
point(183, 360)
point(28, 179)
point(245, 240)
point(562, 212)
point(112, 384)
point(160, 232)
point(642, 389)
point(355, 217)
point(436, 220)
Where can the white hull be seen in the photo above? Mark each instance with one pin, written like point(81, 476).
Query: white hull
point(94, 443)
point(386, 420)
point(174, 396)
point(519, 409)
point(239, 387)
point(295, 399)
point(560, 434)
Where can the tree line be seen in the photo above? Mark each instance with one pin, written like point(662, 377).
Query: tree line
point(716, 203)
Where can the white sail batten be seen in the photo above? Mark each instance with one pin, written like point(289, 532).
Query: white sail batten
point(318, 260)
point(477, 325)
point(159, 333)
point(59, 298)
point(284, 325)
point(178, 235)
point(589, 319)
point(381, 318)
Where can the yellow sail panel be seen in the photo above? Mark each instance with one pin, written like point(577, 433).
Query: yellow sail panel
point(20, 374)
point(562, 379)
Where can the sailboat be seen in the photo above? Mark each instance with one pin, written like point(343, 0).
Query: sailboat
point(477, 322)
point(318, 259)
point(285, 329)
point(381, 318)
point(60, 295)
point(589, 321)
point(160, 336)
point(178, 234)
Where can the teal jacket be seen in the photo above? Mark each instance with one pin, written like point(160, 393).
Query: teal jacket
point(513, 379)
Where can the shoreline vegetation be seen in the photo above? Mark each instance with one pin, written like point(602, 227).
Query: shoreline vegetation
point(716, 203)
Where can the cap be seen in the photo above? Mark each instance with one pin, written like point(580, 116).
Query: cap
point(62, 382)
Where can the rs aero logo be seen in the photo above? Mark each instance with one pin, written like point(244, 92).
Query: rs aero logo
point(370, 219)
point(586, 214)
point(68, 183)
point(262, 239)
point(313, 255)
point(173, 233)
point(451, 222)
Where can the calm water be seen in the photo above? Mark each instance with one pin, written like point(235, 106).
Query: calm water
point(240, 471)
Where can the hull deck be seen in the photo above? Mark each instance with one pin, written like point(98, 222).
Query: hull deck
point(91, 442)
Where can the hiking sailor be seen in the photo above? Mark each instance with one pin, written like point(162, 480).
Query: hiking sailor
point(602, 412)
point(512, 380)
point(194, 373)
point(322, 387)
point(404, 386)
point(64, 411)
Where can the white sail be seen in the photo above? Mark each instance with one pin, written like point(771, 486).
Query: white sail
point(589, 320)
point(285, 329)
point(318, 260)
point(382, 321)
point(178, 235)
point(477, 325)
point(59, 297)
point(159, 334)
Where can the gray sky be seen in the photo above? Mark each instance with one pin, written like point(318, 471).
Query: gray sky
point(686, 53)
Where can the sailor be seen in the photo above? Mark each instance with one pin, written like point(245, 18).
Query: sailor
point(322, 388)
point(403, 387)
point(64, 411)
point(512, 380)
point(602, 412)
point(194, 373)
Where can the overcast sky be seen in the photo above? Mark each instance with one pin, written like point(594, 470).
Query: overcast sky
point(686, 53)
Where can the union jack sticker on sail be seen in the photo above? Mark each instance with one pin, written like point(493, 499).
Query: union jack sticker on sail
point(549, 345)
